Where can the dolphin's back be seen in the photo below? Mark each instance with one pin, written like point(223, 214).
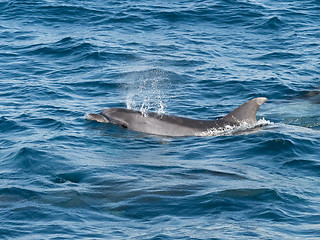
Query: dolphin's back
point(154, 123)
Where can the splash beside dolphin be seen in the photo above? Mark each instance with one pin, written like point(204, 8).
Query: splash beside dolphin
point(168, 125)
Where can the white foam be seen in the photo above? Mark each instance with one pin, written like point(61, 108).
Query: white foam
point(243, 128)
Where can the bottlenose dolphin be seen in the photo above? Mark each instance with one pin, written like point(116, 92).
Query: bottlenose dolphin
point(314, 96)
point(168, 125)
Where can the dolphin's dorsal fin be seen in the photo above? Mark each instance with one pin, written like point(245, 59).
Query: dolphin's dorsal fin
point(246, 112)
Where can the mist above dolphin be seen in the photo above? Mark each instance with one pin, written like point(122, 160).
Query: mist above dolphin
point(169, 125)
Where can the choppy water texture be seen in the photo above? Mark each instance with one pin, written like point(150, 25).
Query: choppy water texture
point(62, 177)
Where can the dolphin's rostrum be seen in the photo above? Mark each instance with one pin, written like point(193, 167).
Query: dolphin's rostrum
point(168, 125)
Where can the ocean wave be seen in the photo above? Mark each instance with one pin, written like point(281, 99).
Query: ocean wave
point(76, 51)
point(203, 173)
point(50, 14)
point(47, 123)
point(224, 12)
point(278, 56)
point(255, 194)
point(10, 126)
point(62, 48)
point(273, 23)
point(309, 167)
point(28, 158)
point(111, 56)
point(16, 194)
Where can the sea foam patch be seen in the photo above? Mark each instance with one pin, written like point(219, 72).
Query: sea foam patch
point(243, 128)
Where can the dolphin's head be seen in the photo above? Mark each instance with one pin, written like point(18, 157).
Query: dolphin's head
point(97, 117)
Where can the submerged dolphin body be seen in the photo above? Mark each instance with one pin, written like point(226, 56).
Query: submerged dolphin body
point(314, 96)
point(168, 125)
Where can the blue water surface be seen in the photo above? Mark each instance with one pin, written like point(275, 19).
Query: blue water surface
point(62, 177)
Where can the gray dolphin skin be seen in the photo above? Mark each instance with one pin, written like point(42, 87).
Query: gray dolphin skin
point(314, 96)
point(168, 125)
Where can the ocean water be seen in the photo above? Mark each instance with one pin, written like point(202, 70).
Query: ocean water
point(62, 177)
